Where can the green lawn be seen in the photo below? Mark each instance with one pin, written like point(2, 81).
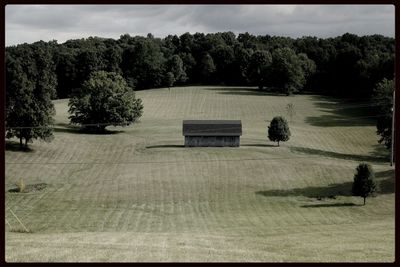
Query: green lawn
point(138, 195)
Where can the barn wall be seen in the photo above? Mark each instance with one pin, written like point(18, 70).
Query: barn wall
point(217, 141)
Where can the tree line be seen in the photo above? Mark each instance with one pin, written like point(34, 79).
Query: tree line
point(345, 66)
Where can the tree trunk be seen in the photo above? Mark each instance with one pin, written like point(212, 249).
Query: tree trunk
point(26, 142)
point(20, 142)
point(364, 201)
point(278, 143)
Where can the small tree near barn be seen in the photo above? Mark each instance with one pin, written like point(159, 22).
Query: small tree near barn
point(364, 183)
point(105, 99)
point(278, 130)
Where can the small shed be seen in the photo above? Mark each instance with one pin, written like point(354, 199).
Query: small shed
point(219, 133)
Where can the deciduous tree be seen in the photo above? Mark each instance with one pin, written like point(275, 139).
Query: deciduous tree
point(383, 97)
point(30, 86)
point(105, 99)
point(278, 130)
point(364, 183)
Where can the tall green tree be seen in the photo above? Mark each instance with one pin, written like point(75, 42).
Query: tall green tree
point(207, 68)
point(30, 86)
point(223, 57)
point(66, 71)
point(87, 61)
point(240, 65)
point(259, 67)
point(175, 66)
point(383, 97)
point(143, 63)
point(289, 71)
point(113, 58)
point(105, 99)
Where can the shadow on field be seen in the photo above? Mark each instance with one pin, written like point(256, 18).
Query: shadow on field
point(385, 180)
point(385, 183)
point(377, 157)
point(342, 113)
point(381, 151)
point(67, 128)
point(14, 146)
point(246, 91)
point(343, 189)
point(165, 146)
point(259, 145)
point(331, 205)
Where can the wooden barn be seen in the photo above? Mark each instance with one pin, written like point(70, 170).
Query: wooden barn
point(219, 133)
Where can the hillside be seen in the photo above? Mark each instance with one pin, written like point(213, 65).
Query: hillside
point(136, 194)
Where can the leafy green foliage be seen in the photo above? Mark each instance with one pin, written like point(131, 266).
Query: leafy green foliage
point(347, 65)
point(278, 130)
point(105, 99)
point(364, 183)
point(30, 86)
point(259, 68)
point(289, 70)
point(383, 97)
point(175, 67)
point(207, 68)
point(143, 63)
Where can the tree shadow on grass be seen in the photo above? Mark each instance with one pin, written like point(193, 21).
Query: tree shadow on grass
point(342, 113)
point(343, 189)
point(259, 145)
point(377, 157)
point(245, 91)
point(14, 146)
point(330, 205)
point(385, 183)
point(333, 121)
point(67, 128)
point(165, 146)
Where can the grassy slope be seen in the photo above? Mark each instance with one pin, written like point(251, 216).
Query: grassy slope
point(137, 195)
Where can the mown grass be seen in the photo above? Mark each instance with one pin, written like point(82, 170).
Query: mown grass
point(139, 195)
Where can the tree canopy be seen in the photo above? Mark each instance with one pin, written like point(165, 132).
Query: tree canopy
point(105, 99)
point(383, 98)
point(30, 85)
point(347, 65)
point(364, 183)
point(278, 130)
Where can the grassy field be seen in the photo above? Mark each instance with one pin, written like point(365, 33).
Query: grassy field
point(137, 194)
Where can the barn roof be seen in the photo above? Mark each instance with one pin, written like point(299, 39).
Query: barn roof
point(212, 128)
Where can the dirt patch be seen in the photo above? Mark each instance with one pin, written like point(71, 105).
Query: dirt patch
point(30, 188)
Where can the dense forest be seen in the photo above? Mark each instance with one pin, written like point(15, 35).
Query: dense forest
point(348, 65)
